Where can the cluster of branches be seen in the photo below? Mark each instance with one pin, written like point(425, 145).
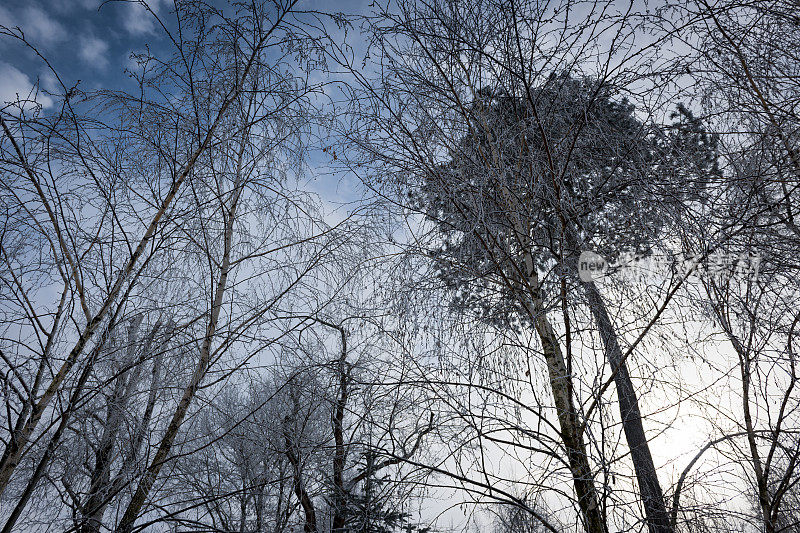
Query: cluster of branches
point(515, 135)
point(191, 341)
point(168, 292)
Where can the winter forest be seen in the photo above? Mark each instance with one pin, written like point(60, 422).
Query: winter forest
point(400, 266)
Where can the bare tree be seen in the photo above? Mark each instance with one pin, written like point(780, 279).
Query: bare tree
point(201, 154)
point(744, 61)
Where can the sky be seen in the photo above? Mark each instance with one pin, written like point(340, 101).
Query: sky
point(89, 44)
point(79, 38)
point(88, 41)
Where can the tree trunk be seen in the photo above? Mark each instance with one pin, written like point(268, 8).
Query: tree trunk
point(569, 422)
point(340, 452)
point(560, 379)
point(310, 524)
point(649, 488)
point(165, 446)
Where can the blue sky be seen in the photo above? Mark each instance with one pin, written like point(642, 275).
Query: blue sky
point(82, 41)
point(88, 40)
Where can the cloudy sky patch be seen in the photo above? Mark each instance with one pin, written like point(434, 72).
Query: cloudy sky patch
point(16, 85)
point(94, 52)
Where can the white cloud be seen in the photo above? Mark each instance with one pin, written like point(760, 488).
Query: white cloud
point(49, 82)
point(39, 27)
point(94, 52)
point(137, 20)
point(16, 84)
